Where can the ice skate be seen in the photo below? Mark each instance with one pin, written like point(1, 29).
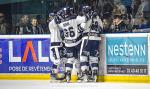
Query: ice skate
point(84, 77)
point(94, 75)
point(68, 76)
point(95, 78)
point(54, 78)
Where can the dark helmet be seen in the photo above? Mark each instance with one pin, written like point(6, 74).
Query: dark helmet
point(94, 14)
point(51, 14)
point(66, 11)
point(86, 9)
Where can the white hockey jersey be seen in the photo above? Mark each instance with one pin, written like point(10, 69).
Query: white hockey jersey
point(92, 28)
point(72, 36)
point(55, 34)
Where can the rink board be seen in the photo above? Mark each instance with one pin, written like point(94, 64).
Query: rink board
point(115, 78)
point(120, 64)
point(126, 57)
point(25, 57)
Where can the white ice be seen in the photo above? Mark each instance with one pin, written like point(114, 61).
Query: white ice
point(45, 84)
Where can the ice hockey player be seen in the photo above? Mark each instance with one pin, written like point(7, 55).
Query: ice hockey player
point(72, 38)
point(89, 54)
point(56, 48)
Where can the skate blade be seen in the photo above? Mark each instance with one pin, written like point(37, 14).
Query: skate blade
point(95, 78)
point(54, 81)
point(83, 81)
point(57, 81)
point(79, 81)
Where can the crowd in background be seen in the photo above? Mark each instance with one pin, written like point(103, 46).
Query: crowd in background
point(25, 25)
point(35, 25)
point(133, 15)
point(4, 26)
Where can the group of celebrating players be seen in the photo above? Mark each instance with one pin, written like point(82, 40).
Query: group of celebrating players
point(75, 39)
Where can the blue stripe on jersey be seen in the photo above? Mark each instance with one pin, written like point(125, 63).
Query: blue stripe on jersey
point(94, 64)
point(84, 64)
point(55, 43)
point(69, 65)
point(73, 40)
point(91, 34)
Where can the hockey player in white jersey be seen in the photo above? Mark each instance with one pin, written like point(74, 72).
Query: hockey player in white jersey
point(89, 54)
point(72, 38)
point(56, 48)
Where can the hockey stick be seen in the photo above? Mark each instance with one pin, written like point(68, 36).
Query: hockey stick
point(89, 32)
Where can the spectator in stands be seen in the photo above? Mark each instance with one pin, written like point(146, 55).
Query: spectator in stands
point(144, 21)
point(42, 24)
point(118, 4)
point(4, 27)
point(142, 17)
point(127, 4)
point(118, 24)
point(106, 25)
point(144, 4)
point(34, 28)
point(22, 26)
point(127, 20)
point(135, 6)
point(107, 10)
point(107, 16)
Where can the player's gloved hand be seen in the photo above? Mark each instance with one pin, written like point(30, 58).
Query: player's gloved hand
point(57, 61)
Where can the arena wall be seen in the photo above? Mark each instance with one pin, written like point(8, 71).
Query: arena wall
point(123, 58)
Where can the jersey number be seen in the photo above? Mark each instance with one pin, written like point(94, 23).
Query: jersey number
point(69, 32)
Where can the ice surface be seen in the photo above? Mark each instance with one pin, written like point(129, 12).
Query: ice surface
point(45, 84)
